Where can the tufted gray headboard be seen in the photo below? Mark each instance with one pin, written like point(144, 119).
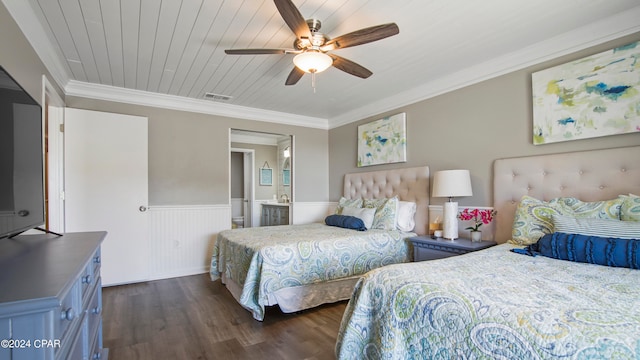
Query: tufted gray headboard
point(410, 184)
point(588, 175)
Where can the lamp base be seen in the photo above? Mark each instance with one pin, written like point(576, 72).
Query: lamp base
point(450, 221)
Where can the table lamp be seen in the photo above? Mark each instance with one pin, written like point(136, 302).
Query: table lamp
point(451, 183)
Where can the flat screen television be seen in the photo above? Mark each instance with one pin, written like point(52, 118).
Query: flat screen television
point(21, 159)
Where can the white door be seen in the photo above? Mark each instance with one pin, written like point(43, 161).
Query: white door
point(106, 181)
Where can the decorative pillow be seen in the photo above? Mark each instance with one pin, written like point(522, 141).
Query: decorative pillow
point(406, 215)
point(533, 219)
point(587, 249)
point(386, 210)
point(347, 222)
point(364, 214)
point(630, 209)
point(344, 202)
point(597, 227)
point(606, 209)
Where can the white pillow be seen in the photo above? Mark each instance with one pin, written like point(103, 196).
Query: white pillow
point(597, 227)
point(364, 214)
point(405, 220)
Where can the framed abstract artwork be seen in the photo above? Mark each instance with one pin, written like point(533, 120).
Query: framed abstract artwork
point(383, 141)
point(598, 95)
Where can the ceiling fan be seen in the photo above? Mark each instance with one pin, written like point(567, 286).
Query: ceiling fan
point(312, 47)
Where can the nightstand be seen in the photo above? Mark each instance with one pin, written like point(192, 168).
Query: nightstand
point(426, 248)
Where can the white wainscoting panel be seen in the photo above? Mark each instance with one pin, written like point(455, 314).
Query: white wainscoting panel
point(237, 207)
point(312, 212)
point(181, 238)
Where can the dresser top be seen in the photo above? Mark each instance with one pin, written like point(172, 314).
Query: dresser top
point(43, 266)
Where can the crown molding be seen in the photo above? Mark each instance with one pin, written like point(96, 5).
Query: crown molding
point(607, 29)
point(173, 102)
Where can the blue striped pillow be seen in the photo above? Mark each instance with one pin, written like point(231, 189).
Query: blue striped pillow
point(597, 227)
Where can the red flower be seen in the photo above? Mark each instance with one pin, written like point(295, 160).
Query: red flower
point(479, 217)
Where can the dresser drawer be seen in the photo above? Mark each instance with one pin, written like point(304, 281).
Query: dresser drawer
point(69, 312)
point(422, 254)
point(96, 260)
point(87, 281)
point(96, 352)
point(78, 341)
point(94, 311)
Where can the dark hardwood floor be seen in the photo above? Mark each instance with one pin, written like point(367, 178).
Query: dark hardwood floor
point(194, 318)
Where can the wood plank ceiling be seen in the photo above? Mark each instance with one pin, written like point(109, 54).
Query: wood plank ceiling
point(177, 47)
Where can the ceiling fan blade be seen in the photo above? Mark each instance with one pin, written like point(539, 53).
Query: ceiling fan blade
point(350, 67)
point(255, 51)
point(362, 36)
point(294, 76)
point(293, 18)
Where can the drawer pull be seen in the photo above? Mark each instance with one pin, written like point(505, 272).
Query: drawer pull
point(96, 310)
point(97, 356)
point(86, 279)
point(68, 314)
point(96, 259)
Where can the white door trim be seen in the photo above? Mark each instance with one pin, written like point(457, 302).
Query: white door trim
point(53, 108)
point(249, 184)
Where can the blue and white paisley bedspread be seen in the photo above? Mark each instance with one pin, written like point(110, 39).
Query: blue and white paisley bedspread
point(264, 259)
point(493, 304)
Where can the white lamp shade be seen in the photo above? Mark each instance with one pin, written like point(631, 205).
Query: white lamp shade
point(312, 61)
point(452, 183)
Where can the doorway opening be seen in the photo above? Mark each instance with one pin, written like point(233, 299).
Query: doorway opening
point(261, 172)
point(242, 187)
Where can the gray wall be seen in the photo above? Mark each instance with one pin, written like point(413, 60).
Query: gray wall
point(19, 58)
point(237, 175)
point(189, 154)
point(468, 129)
point(263, 153)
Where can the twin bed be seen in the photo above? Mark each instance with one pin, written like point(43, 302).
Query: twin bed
point(301, 266)
point(497, 304)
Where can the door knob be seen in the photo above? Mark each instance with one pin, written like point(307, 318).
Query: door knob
point(142, 208)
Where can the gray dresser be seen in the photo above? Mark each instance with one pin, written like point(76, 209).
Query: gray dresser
point(51, 297)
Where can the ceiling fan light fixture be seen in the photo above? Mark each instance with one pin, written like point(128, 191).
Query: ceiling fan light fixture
point(312, 61)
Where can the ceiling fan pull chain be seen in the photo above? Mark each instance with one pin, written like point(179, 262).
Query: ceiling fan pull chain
point(313, 81)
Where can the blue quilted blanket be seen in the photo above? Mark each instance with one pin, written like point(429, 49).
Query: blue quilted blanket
point(264, 260)
point(493, 304)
